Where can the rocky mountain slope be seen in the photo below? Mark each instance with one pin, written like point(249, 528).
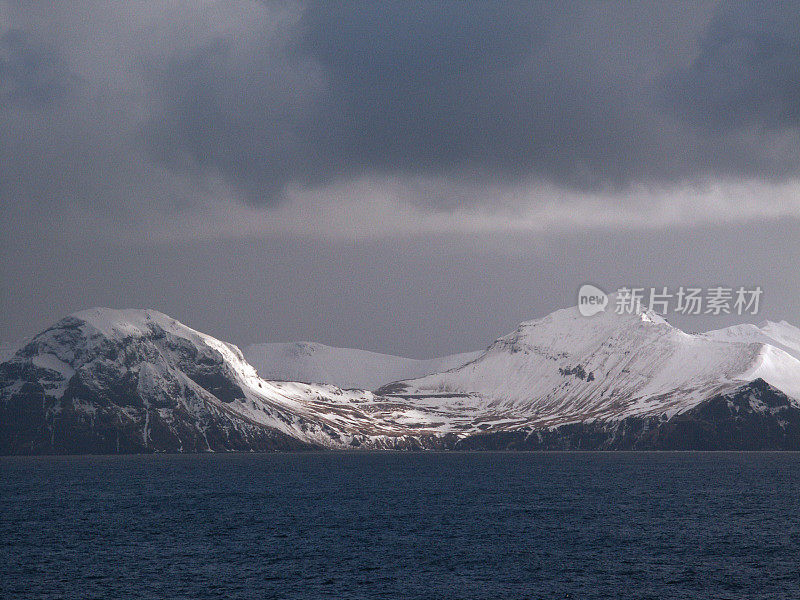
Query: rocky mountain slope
point(106, 381)
point(343, 367)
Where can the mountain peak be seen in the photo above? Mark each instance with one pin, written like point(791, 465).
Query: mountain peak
point(127, 321)
point(567, 331)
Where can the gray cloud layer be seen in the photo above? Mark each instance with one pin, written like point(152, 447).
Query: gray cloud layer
point(31, 74)
point(579, 95)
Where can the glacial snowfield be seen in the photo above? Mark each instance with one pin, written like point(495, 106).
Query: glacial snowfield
point(138, 380)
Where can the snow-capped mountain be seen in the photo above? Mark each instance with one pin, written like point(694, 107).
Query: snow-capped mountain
point(106, 380)
point(567, 368)
point(343, 367)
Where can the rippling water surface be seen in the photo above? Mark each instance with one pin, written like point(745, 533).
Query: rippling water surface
point(402, 526)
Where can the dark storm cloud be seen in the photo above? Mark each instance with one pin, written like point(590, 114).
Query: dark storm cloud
point(747, 72)
point(424, 86)
point(580, 95)
point(351, 89)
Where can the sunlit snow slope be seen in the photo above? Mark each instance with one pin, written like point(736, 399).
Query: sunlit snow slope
point(782, 335)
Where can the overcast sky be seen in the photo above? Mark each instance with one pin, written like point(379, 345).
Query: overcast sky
point(407, 178)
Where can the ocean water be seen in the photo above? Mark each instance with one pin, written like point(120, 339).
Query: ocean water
point(402, 526)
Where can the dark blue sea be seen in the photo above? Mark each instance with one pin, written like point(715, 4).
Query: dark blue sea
point(402, 526)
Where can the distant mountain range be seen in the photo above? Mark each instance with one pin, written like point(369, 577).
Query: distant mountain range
point(121, 381)
point(343, 367)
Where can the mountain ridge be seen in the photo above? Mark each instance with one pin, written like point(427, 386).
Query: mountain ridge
point(106, 380)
